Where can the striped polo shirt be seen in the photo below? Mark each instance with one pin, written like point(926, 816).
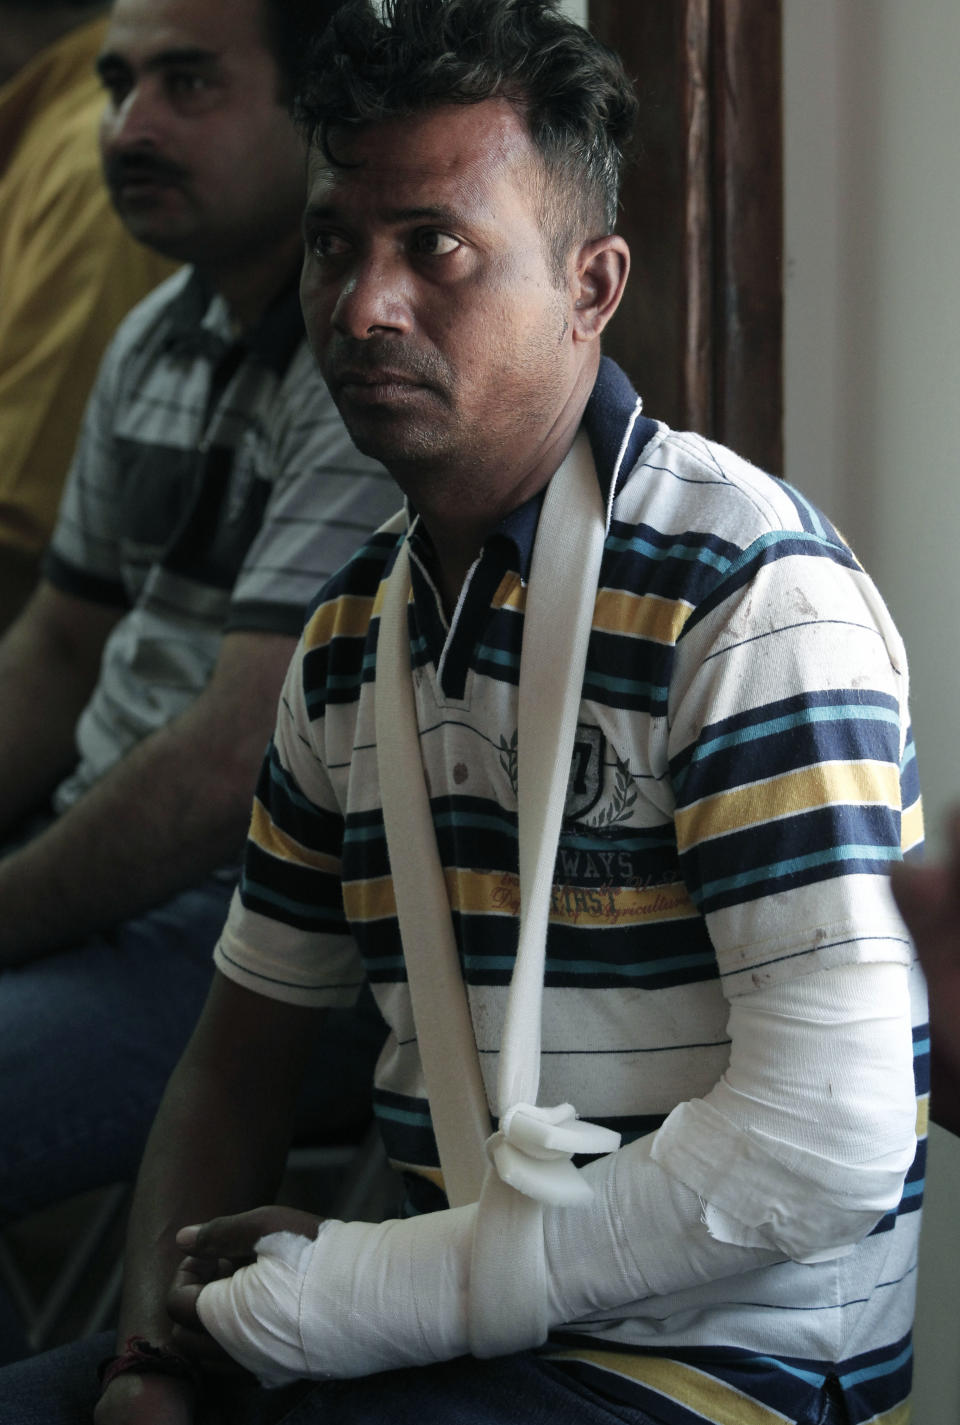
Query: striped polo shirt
point(743, 776)
point(214, 489)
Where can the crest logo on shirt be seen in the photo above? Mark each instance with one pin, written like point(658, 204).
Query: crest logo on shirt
point(585, 783)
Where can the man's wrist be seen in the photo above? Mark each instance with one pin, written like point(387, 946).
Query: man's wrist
point(142, 1357)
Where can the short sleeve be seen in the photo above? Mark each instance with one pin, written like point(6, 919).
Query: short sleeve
point(788, 739)
point(286, 936)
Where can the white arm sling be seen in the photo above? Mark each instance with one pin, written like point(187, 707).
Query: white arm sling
point(526, 1164)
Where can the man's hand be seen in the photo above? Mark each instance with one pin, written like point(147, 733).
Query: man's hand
point(189, 1336)
point(233, 1238)
point(215, 1250)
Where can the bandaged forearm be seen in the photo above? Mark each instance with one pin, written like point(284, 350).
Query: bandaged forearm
point(796, 1152)
point(804, 1143)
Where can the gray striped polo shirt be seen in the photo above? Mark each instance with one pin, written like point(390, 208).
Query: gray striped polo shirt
point(214, 489)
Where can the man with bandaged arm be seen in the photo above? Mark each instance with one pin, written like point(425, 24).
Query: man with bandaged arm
point(593, 764)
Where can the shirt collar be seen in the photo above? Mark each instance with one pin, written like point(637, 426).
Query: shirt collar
point(617, 429)
point(617, 432)
point(200, 323)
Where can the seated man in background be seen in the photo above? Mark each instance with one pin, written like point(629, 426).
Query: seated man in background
point(68, 269)
point(929, 900)
point(716, 974)
point(214, 489)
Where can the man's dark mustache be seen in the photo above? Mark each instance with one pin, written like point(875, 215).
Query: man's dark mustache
point(124, 168)
point(361, 358)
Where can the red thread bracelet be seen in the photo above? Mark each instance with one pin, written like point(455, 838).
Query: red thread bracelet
point(141, 1357)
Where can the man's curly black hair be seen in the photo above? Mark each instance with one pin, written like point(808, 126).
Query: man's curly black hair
point(388, 60)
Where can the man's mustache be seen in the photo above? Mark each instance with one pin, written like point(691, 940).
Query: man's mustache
point(346, 356)
point(141, 167)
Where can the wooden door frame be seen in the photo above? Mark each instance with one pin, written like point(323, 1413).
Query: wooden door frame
point(700, 330)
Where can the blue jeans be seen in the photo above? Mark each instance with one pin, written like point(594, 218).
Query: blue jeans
point(89, 1036)
point(88, 1039)
point(59, 1389)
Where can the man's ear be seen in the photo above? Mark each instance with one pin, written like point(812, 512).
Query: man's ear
point(600, 275)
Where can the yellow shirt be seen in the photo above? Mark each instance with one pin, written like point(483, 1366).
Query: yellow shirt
point(68, 273)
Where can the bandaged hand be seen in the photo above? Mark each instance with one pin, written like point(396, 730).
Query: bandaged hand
point(215, 1251)
point(343, 1302)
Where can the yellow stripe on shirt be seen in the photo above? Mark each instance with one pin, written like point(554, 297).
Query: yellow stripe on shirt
point(510, 594)
point(498, 893)
point(640, 615)
point(265, 834)
point(713, 1399)
point(923, 1116)
point(911, 826)
point(346, 617)
point(827, 784)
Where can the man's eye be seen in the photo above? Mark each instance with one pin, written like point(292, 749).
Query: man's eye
point(327, 245)
point(116, 83)
point(436, 244)
point(186, 83)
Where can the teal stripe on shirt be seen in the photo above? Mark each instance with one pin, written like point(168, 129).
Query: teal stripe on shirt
point(831, 855)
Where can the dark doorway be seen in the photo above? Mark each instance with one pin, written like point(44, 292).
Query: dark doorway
point(700, 331)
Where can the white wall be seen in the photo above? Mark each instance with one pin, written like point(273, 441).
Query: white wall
point(576, 9)
point(872, 110)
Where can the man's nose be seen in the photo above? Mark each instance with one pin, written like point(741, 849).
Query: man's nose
point(375, 297)
point(135, 123)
